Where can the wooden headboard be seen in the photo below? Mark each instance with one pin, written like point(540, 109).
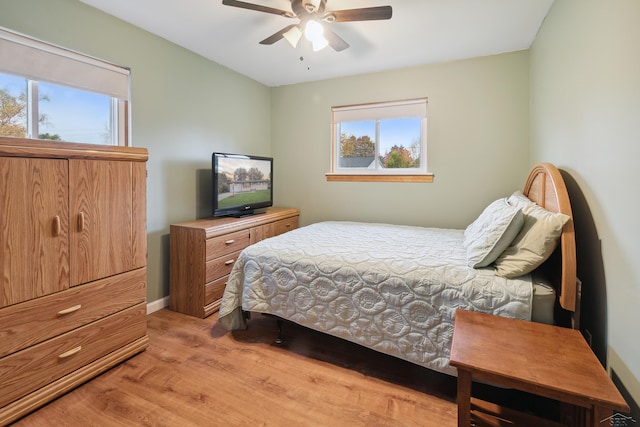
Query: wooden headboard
point(546, 187)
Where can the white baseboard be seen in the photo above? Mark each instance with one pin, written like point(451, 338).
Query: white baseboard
point(156, 305)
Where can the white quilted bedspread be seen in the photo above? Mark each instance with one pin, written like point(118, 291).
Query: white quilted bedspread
point(392, 288)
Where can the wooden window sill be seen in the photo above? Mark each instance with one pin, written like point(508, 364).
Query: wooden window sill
point(379, 178)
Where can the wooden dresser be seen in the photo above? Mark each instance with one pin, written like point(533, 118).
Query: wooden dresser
point(73, 258)
point(203, 252)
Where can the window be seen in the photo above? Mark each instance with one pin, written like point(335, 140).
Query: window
point(32, 109)
point(47, 92)
point(380, 142)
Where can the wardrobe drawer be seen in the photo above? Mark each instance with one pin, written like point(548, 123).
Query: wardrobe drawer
point(37, 366)
point(223, 245)
point(28, 323)
point(219, 267)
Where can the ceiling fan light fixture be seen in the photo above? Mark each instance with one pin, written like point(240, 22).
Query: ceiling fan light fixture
point(312, 16)
point(293, 36)
point(314, 32)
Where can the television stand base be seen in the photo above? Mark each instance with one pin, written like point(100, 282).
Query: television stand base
point(245, 214)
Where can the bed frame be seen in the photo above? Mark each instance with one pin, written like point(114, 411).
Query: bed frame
point(546, 187)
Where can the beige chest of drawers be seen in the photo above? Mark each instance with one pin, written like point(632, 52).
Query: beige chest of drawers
point(73, 261)
point(202, 254)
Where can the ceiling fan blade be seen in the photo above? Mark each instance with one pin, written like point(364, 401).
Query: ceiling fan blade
point(364, 14)
point(335, 41)
point(256, 7)
point(277, 36)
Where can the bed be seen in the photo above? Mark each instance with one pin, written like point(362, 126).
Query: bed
point(396, 288)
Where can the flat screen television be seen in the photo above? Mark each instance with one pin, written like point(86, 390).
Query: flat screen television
point(242, 184)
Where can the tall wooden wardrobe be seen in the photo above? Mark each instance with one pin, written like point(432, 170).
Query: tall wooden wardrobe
point(73, 258)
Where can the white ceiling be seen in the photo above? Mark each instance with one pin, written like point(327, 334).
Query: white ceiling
point(420, 32)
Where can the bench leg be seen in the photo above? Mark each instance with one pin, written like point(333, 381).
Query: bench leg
point(600, 416)
point(464, 398)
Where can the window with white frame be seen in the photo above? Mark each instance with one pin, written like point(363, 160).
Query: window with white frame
point(48, 92)
point(380, 142)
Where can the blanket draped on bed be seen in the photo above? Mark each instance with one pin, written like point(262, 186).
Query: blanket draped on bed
point(392, 288)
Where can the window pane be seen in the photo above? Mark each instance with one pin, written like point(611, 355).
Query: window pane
point(13, 106)
point(74, 115)
point(400, 143)
point(357, 144)
point(384, 141)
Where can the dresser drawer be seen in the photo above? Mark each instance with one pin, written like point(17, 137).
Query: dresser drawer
point(37, 366)
point(219, 267)
point(214, 290)
point(232, 242)
point(28, 323)
point(284, 225)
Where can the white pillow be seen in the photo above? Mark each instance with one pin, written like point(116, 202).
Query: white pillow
point(535, 242)
point(492, 232)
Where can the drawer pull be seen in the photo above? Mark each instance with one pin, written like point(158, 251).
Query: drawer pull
point(56, 226)
point(229, 262)
point(81, 221)
point(70, 352)
point(230, 242)
point(69, 310)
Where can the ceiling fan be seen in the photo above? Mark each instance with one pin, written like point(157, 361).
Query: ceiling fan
point(312, 15)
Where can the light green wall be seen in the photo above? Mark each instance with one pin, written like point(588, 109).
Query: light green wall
point(585, 117)
point(183, 108)
point(478, 142)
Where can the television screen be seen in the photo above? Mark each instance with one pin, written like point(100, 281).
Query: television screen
point(241, 184)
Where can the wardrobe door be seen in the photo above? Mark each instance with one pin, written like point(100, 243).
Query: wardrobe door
point(101, 219)
point(34, 218)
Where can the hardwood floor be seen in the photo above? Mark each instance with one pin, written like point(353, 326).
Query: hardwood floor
point(195, 373)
